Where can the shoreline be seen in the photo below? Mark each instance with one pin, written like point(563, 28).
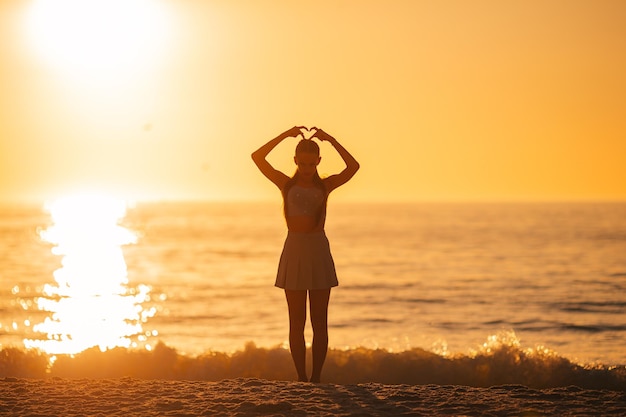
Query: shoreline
point(504, 365)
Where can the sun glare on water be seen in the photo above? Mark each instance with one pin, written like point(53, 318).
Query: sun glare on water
point(90, 304)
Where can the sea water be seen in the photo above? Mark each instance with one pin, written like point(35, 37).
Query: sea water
point(446, 278)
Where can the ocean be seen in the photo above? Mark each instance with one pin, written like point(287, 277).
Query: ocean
point(447, 280)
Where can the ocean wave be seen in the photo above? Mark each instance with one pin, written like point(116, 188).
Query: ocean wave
point(539, 325)
point(498, 364)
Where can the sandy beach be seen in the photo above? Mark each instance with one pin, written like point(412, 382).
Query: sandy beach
point(258, 381)
point(252, 396)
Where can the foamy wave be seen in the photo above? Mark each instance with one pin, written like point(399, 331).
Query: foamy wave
point(499, 364)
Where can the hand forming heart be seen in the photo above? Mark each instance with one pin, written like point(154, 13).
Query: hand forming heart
point(308, 133)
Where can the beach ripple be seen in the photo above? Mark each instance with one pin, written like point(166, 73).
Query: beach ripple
point(253, 397)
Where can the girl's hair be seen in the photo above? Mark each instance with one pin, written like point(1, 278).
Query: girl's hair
point(307, 146)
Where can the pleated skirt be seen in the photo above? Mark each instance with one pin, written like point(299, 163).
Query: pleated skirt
point(306, 263)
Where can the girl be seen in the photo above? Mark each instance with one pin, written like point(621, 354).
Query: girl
point(306, 266)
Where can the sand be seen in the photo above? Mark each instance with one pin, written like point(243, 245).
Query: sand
point(507, 381)
point(253, 397)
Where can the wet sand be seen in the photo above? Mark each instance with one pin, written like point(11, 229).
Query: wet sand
point(253, 397)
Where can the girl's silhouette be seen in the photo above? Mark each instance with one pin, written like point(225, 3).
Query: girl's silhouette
point(306, 265)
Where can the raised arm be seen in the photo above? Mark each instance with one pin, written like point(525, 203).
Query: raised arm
point(352, 166)
point(259, 157)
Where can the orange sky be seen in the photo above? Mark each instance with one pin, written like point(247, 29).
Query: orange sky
point(438, 100)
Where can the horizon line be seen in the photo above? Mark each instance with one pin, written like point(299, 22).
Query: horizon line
point(433, 200)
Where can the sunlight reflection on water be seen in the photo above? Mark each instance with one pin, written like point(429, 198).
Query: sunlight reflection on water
point(90, 304)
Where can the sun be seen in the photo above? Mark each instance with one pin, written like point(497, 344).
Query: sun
point(98, 39)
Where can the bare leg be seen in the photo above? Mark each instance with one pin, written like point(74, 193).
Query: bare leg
point(296, 302)
point(319, 320)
